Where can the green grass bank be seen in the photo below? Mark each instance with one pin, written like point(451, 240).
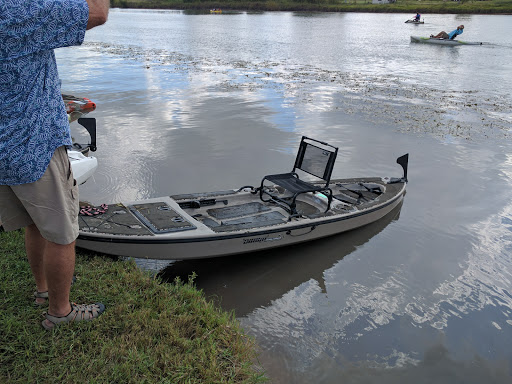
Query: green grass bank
point(400, 6)
point(151, 332)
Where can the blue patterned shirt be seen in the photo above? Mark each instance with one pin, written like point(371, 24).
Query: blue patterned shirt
point(33, 121)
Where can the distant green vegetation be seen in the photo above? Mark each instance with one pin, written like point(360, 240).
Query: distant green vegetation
point(400, 6)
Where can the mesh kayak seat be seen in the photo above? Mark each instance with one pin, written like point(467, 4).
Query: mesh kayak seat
point(315, 158)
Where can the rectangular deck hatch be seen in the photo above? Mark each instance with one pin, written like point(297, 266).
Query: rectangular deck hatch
point(159, 217)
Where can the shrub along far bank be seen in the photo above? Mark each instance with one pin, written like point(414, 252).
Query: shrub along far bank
point(400, 6)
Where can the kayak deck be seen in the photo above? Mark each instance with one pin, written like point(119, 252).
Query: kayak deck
point(230, 211)
point(237, 221)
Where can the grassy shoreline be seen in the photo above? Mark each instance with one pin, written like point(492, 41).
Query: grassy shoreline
point(150, 332)
point(400, 6)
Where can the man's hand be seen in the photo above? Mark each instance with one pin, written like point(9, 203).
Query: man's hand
point(98, 12)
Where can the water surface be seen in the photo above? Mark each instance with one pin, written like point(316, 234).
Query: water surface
point(191, 103)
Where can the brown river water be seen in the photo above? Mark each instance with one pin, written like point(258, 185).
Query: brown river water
point(198, 102)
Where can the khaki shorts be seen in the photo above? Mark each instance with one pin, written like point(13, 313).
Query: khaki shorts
point(51, 203)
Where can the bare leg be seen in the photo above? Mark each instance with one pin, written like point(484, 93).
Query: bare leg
point(59, 262)
point(441, 35)
point(52, 266)
point(35, 246)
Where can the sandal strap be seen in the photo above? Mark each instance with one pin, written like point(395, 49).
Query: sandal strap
point(78, 313)
point(41, 295)
point(44, 295)
point(85, 312)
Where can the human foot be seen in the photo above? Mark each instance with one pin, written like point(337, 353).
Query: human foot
point(78, 313)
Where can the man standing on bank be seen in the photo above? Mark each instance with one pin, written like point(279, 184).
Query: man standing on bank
point(37, 189)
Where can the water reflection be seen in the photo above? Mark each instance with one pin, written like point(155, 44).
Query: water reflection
point(437, 366)
point(188, 103)
point(245, 282)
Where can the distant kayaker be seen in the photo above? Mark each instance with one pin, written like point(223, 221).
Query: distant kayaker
point(449, 36)
point(417, 17)
point(37, 188)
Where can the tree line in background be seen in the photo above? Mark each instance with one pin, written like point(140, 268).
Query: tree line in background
point(407, 6)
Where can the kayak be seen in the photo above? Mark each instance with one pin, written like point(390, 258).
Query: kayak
point(415, 22)
point(236, 221)
point(431, 40)
point(82, 164)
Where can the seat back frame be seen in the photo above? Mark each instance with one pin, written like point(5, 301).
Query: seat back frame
point(316, 158)
point(313, 157)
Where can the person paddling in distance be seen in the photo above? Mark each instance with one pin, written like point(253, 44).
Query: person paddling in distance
point(449, 36)
point(37, 188)
point(417, 17)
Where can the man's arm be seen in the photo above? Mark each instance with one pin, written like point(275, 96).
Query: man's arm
point(98, 12)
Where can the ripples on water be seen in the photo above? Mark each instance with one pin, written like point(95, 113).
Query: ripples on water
point(409, 106)
point(188, 103)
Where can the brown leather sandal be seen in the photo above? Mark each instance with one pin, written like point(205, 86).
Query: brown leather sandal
point(78, 312)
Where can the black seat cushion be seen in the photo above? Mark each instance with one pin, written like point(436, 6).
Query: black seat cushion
point(293, 184)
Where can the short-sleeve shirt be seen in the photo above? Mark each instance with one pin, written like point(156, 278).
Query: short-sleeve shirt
point(33, 120)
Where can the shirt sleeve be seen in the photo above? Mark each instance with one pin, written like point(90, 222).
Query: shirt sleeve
point(40, 25)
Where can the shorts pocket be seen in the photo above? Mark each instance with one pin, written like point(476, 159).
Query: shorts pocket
point(73, 201)
point(73, 188)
